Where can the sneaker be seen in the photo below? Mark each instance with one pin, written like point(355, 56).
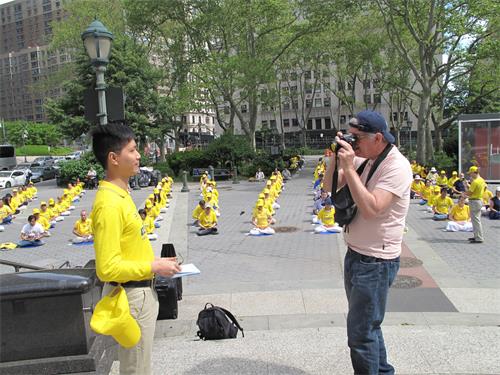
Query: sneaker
point(476, 241)
point(472, 238)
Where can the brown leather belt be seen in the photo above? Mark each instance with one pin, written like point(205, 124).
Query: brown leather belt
point(135, 284)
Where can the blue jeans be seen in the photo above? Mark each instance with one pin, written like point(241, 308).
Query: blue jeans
point(26, 243)
point(367, 281)
point(440, 217)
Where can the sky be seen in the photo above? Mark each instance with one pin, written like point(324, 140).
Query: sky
point(4, 1)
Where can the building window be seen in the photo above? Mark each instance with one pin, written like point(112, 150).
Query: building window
point(318, 124)
point(307, 74)
point(295, 122)
point(293, 76)
point(317, 102)
point(244, 108)
point(341, 85)
point(308, 103)
point(328, 123)
point(326, 87)
point(308, 89)
point(293, 90)
point(376, 83)
point(264, 124)
point(295, 104)
point(326, 73)
point(326, 102)
point(342, 119)
point(309, 124)
point(286, 123)
point(367, 98)
point(377, 98)
point(350, 85)
point(366, 84)
point(272, 124)
point(286, 106)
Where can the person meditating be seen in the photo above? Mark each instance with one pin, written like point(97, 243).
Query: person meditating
point(83, 229)
point(32, 233)
point(148, 225)
point(262, 221)
point(441, 205)
point(326, 216)
point(207, 221)
point(459, 217)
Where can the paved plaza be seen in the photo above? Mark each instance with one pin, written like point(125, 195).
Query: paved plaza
point(287, 289)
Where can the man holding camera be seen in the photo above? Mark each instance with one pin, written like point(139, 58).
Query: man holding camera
point(374, 235)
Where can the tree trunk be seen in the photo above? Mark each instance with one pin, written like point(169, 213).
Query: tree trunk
point(161, 144)
point(422, 126)
point(429, 147)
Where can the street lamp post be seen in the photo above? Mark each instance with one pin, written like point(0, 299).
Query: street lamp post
point(97, 41)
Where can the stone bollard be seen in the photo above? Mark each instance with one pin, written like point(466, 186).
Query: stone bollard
point(235, 175)
point(184, 182)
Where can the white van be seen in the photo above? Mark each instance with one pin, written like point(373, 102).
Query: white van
point(7, 157)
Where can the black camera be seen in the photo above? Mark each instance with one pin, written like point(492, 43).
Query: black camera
point(349, 138)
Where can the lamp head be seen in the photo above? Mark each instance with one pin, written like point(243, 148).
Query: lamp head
point(97, 41)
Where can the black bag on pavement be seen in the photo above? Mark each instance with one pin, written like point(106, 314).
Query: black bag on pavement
point(166, 289)
point(168, 251)
point(217, 323)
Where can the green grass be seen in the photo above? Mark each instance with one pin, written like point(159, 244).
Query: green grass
point(42, 150)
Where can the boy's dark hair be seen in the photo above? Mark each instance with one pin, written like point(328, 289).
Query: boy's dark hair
point(109, 138)
point(142, 211)
point(31, 217)
point(201, 202)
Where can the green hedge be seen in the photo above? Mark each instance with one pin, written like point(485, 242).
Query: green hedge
point(42, 150)
point(72, 169)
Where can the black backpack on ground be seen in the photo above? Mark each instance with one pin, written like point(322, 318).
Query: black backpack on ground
point(217, 323)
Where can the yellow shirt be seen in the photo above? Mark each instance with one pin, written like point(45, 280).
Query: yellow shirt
point(262, 218)
point(451, 181)
point(460, 213)
point(83, 228)
point(56, 210)
point(427, 192)
point(442, 205)
point(43, 222)
point(477, 188)
point(46, 214)
point(197, 211)
point(123, 251)
point(417, 186)
point(442, 180)
point(487, 195)
point(208, 221)
point(5, 211)
point(327, 217)
point(149, 225)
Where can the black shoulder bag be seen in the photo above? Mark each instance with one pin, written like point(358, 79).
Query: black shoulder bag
point(345, 207)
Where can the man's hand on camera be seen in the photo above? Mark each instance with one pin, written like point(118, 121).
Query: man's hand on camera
point(165, 267)
point(345, 155)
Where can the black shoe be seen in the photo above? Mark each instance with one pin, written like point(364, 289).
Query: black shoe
point(472, 239)
point(476, 241)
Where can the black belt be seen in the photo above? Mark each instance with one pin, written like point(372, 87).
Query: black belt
point(370, 259)
point(135, 284)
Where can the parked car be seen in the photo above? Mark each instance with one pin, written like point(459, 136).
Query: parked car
point(42, 173)
point(43, 161)
point(12, 178)
point(24, 166)
point(74, 155)
point(58, 161)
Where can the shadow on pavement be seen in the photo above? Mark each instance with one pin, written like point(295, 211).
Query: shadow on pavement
point(233, 365)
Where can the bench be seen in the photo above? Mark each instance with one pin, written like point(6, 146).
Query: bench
point(219, 173)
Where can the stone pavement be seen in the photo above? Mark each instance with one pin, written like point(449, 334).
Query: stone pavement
point(287, 291)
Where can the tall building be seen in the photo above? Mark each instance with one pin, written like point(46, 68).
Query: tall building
point(25, 59)
point(310, 100)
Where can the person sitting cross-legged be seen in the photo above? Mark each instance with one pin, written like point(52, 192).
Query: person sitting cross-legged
point(83, 229)
point(494, 213)
point(326, 217)
point(32, 233)
point(262, 220)
point(6, 213)
point(148, 225)
point(207, 222)
point(318, 205)
point(459, 217)
point(42, 220)
point(441, 205)
point(197, 211)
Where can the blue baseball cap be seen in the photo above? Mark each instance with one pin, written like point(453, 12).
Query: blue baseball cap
point(327, 202)
point(372, 122)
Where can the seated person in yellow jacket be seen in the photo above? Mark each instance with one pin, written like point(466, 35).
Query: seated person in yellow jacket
point(42, 221)
point(487, 195)
point(207, 221)
point(436, 191)
point(442, 205)
point(57, 210)
point(197, 211)
point(83, 229)
point(148, 225)
point(426, 193)
point(261, 220)
point(326, 216)
point(442, 180)
point(156, 209)
point(459, 217)
point(150, 211)
point(6, 213)
point(47, 213)
point(416, 187)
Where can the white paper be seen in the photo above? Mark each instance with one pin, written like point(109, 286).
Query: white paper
point(187, 270)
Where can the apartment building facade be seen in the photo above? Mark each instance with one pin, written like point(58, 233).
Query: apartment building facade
point(25, 59)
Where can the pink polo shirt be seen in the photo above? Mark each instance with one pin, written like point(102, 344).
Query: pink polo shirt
point(381, 236)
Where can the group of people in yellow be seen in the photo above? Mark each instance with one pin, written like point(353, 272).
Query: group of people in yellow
point(323, 209)
point(12, 204)
point(207, 210)
point(438, 191)
point(156, 204)
point(264, 209)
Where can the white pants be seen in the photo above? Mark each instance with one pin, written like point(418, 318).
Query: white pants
point(159, 218)
point(59, 218)
point(71, 208)
point(20, 208)
point(153, 236)
point(163, 210)
point(429, 209)
point(453, 226)
point(257, 231)
point(65, 213)
point(82, 239)
point(2, 228)
point(322, 229)
point(276, 206)
point(315, 219)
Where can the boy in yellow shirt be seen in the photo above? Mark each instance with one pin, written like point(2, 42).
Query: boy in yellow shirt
point(262, 221)
point(416, 187)
point(123, 252)
point(441, 205)
point(42, 221)
point(148, 225)
point(83, 229)
point(426, 192)
point(197, 211)
point(326, 216)
point(207, 221)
